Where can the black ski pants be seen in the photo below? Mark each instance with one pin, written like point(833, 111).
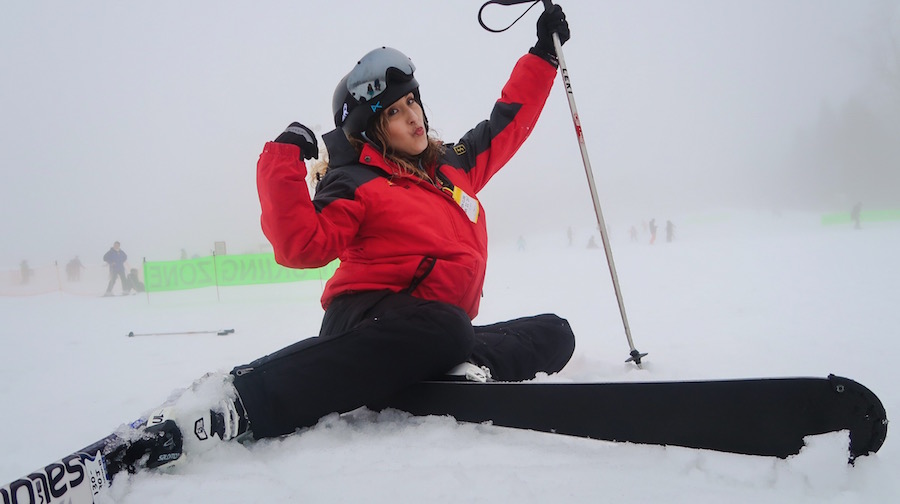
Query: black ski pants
point(374, 344)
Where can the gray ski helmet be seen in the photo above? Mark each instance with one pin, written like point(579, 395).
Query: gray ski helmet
point(381, 77)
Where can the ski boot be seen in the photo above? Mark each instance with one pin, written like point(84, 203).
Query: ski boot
point(191, 422)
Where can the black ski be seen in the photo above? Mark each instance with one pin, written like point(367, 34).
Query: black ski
point(756, 416)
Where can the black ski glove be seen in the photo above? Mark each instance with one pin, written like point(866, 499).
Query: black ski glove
point(551, 20)
point(303, 137)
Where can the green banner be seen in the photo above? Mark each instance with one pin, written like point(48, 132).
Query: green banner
point(832, 219)
point(226, 270)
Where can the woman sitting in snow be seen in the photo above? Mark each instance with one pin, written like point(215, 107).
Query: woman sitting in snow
point(399, 209)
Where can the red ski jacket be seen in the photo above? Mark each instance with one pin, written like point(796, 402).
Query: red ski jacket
point(393, 231)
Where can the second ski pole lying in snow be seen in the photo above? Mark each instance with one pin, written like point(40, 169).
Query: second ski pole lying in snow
point(220, 332)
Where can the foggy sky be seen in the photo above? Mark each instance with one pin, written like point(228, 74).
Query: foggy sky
point(142, 121)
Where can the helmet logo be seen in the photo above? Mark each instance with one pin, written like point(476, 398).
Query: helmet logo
point(376, 106)
point(345, 112)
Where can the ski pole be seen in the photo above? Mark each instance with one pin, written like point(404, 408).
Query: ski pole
point(635, 355)
point(219, 332)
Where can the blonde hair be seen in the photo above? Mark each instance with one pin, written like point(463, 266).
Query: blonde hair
point(317, 169)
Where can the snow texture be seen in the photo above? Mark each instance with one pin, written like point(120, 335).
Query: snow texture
point(736, 297)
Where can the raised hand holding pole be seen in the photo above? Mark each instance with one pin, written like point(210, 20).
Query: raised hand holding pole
point(604, 235)
point(635, 355)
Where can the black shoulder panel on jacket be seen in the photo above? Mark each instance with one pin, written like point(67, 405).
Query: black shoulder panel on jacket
point(478, 139)
point(341, 183)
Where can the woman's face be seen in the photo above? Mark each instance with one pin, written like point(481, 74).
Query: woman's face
point(405, 128)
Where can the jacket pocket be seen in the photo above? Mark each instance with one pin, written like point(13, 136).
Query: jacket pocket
point(446, 281)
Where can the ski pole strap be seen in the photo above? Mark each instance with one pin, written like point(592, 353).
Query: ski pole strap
point(506, 2)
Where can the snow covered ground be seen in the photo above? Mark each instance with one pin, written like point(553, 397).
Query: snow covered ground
point(741, 296)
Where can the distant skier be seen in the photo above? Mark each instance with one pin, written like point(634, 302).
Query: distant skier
point(855, 215)
point(653, 228)
point(400, 209)
point(133, 282)
point(670, 231)
point(73, 269)
point(116, 258)
point(25, 272)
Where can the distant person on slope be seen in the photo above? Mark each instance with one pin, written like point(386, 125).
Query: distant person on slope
point(399, 208)
point(73, 269)
point(134, 282)
point(855, 215)
point(25, 272)
point(116, 258)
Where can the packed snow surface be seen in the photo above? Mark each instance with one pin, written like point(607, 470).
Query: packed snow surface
point(743, 296)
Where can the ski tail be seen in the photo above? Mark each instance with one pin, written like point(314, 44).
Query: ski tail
point(863, 415)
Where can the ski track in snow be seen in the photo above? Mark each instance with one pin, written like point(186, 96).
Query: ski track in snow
point(755, 296)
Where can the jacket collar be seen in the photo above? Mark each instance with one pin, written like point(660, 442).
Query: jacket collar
point(340, 152)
